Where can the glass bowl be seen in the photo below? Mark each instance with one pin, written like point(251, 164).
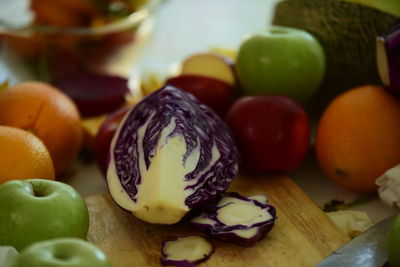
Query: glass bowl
point(55, 52)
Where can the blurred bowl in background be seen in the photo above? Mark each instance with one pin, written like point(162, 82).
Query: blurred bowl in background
point(70, 36)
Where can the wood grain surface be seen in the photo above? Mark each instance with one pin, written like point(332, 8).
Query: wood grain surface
point(303, 235)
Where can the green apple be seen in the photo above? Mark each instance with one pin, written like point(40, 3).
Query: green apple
point(36, 210)
point(283, 61)
point(393, 242)
point(62, 252)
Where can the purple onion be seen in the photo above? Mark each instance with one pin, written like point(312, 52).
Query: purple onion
point(238, 219)
point(388, 58)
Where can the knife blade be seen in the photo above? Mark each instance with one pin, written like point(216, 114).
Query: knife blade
point(366, 250)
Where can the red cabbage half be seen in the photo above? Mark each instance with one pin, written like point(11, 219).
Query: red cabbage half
point(237, 219)
point(170, 154)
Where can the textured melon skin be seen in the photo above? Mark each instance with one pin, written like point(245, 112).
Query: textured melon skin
point(388, 6)
point(347, 32)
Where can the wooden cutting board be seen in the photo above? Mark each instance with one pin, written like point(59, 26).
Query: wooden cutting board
point(303, 235)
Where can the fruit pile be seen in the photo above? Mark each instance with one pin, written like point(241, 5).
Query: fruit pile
point(254, 99)
point(263, 91)
point(259, 92)
point(40, 137)
point(79, 52)
point(49, 115)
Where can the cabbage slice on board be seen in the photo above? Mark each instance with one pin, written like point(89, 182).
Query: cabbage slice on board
point(170, 154)
point(238, 219)
point(186, 251)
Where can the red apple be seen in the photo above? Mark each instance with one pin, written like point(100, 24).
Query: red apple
point(102, 140)
point(214, 93)
point(210, 65)
point(272, 132)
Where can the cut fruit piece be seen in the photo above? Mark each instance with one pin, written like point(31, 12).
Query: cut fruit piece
point(388, 59)
point(186, 251)
point(170, 154)
point(95, 94)
point(224, 51)
point(90, 128)
point(389, 187)
point(215, 93)
point(210, 65)
point(150, 82)
point(238, 219)
point(351, 222)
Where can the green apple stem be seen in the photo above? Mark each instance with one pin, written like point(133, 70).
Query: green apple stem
point(388, 6)
point(38, 191)
point(61, 254)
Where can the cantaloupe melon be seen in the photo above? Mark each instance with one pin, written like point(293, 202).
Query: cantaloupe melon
point(388, 6)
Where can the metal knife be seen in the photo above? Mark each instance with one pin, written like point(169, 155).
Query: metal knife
point(366, 250)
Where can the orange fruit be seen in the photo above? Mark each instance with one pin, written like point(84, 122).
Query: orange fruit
point(358, 137)
point(49, 114)
point(23, 156)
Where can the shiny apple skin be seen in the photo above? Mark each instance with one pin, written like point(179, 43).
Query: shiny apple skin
point(272, 132)
point(283, 61)
point(62, 252)
point(36, 209)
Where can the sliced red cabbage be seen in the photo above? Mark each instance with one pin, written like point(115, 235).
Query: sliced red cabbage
point(388, 58)
point(186, 251)
point(170, 154)
point(238, 219)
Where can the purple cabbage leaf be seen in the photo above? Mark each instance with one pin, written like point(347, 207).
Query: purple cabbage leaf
point(169, 155)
